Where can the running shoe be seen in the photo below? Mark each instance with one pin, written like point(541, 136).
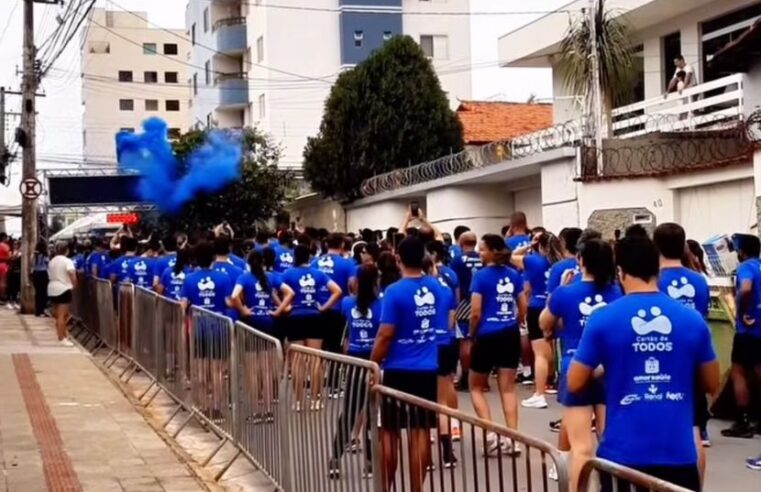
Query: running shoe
point(536, 401)
point(555, 425)
point(510, 448)
point(367, 472)
point(705, 438)
point(430, 468)
point(526, 380)
point(334, 470)
point(354, 447)
point(754, 463)
point(491, 445)
point(552, 473)
point(316, 405)
point(739, 429)
point(550, 389)
point(449, 461)
point(67, 343)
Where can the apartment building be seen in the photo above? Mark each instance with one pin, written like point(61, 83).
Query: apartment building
point(130, 72)
point(273, 65)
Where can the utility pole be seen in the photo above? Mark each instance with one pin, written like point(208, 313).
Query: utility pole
point(597, 107)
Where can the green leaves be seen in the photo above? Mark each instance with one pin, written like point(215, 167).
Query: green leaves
point(387, 113)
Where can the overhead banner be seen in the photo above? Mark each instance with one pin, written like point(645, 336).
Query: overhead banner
point(93, 190)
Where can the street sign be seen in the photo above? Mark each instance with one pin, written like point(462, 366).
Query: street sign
point(31, 188)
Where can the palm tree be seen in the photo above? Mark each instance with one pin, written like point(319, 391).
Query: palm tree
point(614, 52)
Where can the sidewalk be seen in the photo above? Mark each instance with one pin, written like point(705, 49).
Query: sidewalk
point(64, 426)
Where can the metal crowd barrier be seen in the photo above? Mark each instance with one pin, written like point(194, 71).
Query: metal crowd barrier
point(145, 330)
point(328, 441)
point(259, 365)
point(104, 305)
point(172, 355)
point(606, 476)
point(487, 453)
point(125, 309)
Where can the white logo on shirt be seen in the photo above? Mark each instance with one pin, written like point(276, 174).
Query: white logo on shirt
point(258, 287)
point(659, 324)
point(326, 262)
point(206, 284)
point(424, 297)
point(141, 267)
point(652, 366)
point(505, 286)
point(286, 258)
point(677, 291)
point(587, 307)
point(307, 281)
point(356, 314)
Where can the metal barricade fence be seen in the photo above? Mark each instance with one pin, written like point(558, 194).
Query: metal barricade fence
point(145, 330)
point(125, 311)
point(489, 456)
point(104, 301)
point(606, 476)
point(259, 366)
point(211, 370)
point(172, 347)
point(328, 441)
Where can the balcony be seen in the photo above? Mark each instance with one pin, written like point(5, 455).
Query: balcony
point(233, 91)
point(230, 34)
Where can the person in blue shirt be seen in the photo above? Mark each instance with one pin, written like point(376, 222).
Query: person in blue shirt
point(339, 270)
point(690, 288)
point(98, 260)
point(206, 288)
point(140, 271)
point(167, 260)
point(362, 313)
point(569, 240)
point(465, 266)
point(119, 268)
point(519, 234)
point(652, 349)
point(260, 296)
point(222, 262)
point(283, 252)
point(455, 249)
point(303, 325)
point(79, 257)
point(406, 348)
point(535, 262)
point(746, 347)
point(172, 278)
point(566, 315)
point(497, 310)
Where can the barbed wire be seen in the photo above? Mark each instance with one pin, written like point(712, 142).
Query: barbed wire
point(648, 144)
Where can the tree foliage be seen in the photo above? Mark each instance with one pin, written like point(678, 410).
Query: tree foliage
point(387, 113)
point(261, 192)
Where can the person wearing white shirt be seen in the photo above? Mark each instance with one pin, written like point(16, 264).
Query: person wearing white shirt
point(689, 76)
point(62, 279)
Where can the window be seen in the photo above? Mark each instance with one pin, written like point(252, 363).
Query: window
point(206, 19)
point(193, 34)
point(150, 77)
point(125, 75)
point(171, 77)
point(262, 106)
point(151, 104)
point(170, 49)
point(174, 133)
point(172, 105)
point(260, 48)
point(387, 35)
point(195, 84)
point(434, 46)
point(207, 72)
point(672, 48)
point(359, 37)
point(127, 130)
point(126, 105)
point(149, 48)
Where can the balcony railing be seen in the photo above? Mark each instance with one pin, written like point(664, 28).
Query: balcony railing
point(231, 36)
point(229, 21)
point(233, 90)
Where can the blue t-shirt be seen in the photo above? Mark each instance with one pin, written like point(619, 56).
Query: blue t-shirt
point(445, 334)
point(99, 260)
point(413, 307)
point(238, 262)
point(120, 268)
point(449, 276)
point(79, 262)
point(573, 304)
point(208, 289)
point(558, 272)
point(465, 265)
point(687, 287)
point(536, 270)
point(339, 270)
point(172, 282)
point(750, 270)
point(362, 328)
point(651, 347)
point(229, 268)
point(140, 271)
point(283, 258)
point(518, 241)
point(499, 287)
point(306, 282)
point(257, 299)
point(454, 251)
point(161, 263)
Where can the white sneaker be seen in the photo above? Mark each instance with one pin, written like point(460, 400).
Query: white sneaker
point(67, 343)
point(316, 405)
point(296, 407)
point(552, 473)
point(536, 401)
point(491, 445)
point(510, 448)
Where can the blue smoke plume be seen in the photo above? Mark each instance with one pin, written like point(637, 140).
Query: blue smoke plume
point(209, 169)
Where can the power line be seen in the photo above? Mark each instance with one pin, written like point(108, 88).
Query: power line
point(10, 18)
point(50, 63)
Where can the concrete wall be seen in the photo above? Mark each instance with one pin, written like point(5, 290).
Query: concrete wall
point(483, 208)
point(317, 212)
point(377, 216)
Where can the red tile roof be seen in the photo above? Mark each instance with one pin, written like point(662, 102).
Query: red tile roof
point(486, 121)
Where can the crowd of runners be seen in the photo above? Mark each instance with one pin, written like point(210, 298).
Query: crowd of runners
point(616, 327)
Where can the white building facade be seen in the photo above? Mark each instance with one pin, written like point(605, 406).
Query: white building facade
point(130, 72)
point(272, 66)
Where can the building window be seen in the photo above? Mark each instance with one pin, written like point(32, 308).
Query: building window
point(127, 130)
point(150, 77)
point(387, 35)
point(171, 77)
point(195, 84)
point(174, 133)
point(206, 19)
point(435, 46)
point(172, 105)
point(260, 48)
point(359, 37)
point(125, 75)
point(262, 106)
point(149, 48)
point(170, 49)
point(207, 72)
point(193, 34)
point(151, 104)
point(126, 105)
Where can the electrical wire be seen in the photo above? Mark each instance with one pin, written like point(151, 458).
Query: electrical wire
point(8, 22)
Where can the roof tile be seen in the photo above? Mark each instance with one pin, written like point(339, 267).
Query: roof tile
point(486, 121)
